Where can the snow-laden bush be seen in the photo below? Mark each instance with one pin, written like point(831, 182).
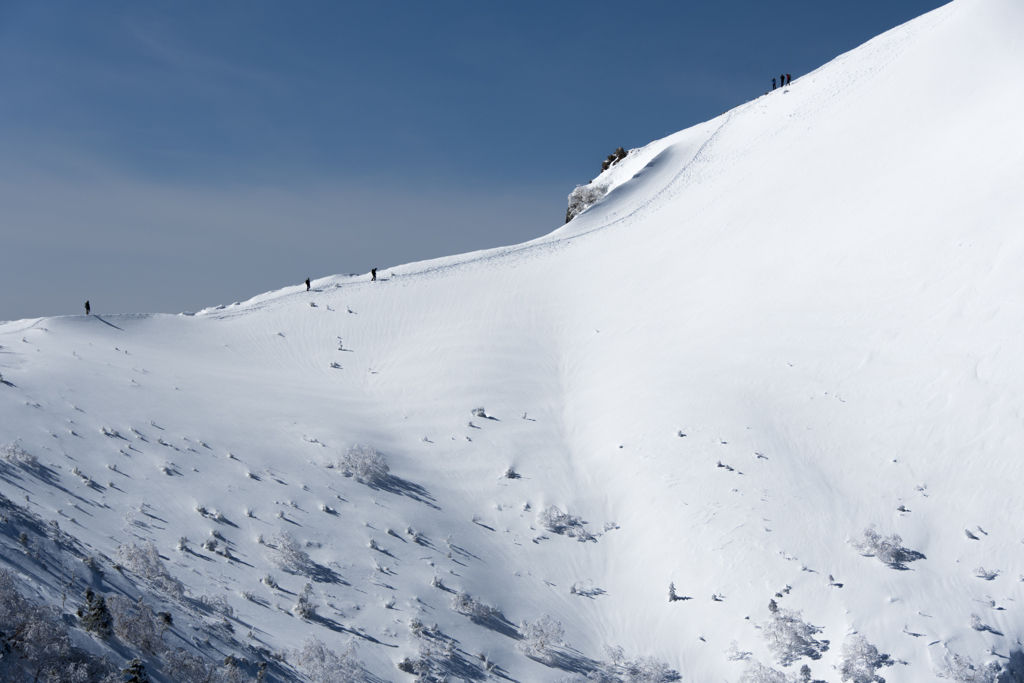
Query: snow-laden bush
point(983, 573)
point(184, 667)
point(583, 197)
point(789, 638)
point(540, 636)
point(734, 654)
point(962, 669)
point(289, 555)
point(465, 604)
point(617, 669)
point(324, 665)
point(304, 607)
point(218, 603)
point(756, 672)
point(137, 624)
point(146, 562)
point(558, 522)
point(14, 453)
point(365, 464)
point(859, 659)
point(889, 550)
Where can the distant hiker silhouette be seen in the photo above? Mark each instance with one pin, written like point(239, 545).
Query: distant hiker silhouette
point(782, 80)
point(87, 308)
point(373, 272)
point(773, 84)
point(788, 79)
point(307, 284)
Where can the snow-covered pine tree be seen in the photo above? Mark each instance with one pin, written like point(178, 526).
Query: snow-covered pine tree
point(135, 672)
point(95, 615)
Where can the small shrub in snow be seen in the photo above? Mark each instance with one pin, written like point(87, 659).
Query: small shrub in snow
point(983, 573)
point(889, 550)
point(304, 607)
point(978, 625)
point(324, 665)
point(365, 464)
point(269, 581)
point(146, 562)
point(558, 522)
point(789, 638)
point(859, 660)
point(540, 636)
point(961, 669)
point(465, 604)
point(734, 654)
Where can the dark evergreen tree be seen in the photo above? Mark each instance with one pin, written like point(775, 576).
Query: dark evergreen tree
point(135, 672)
point(95, 615)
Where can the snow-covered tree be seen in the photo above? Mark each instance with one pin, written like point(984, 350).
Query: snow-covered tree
point(136, 623)
point(583, 197)
point(146, 562)
point(756, 672)
point(558, 522)
point(289, 555)
point(888, 550)
point(365, 464)
point(540, 636)
point(464, 603)
point(859, 659)
point(962, 669)
point(324, 665)
point(304, 607)
point(789, 637)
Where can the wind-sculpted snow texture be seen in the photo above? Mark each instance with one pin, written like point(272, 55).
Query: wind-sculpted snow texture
point(819, 290)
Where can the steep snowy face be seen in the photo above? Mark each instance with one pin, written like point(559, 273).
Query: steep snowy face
point(779, 328)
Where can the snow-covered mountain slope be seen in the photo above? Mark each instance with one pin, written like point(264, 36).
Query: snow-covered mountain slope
point(780, 327)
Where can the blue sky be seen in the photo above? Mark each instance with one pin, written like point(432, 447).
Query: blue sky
point(165, 156)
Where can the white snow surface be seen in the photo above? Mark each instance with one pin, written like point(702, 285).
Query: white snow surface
point(820, 289)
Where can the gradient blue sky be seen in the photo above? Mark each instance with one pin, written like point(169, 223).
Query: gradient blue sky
point(167, 156)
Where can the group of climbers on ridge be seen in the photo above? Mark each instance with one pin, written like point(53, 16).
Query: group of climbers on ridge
point(784, 80)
